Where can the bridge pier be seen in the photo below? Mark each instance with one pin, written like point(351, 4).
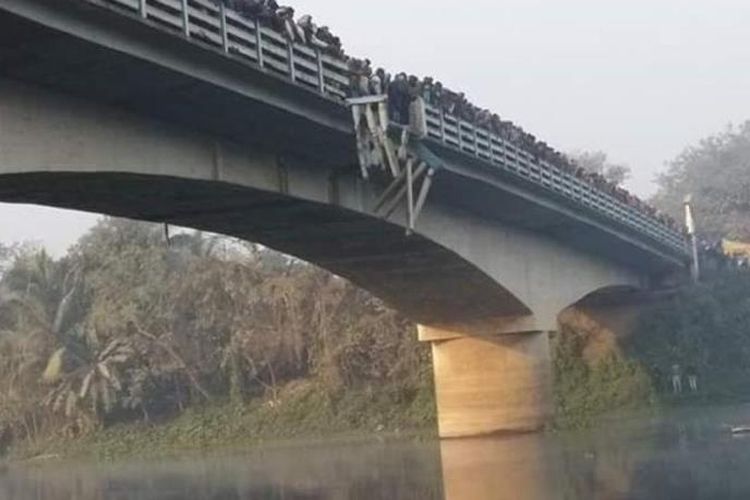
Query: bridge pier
point(490, 384)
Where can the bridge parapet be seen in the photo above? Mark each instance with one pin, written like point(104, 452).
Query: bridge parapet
point(482, 144)
point(214, 26)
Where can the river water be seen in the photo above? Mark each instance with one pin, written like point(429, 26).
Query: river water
point(685, 455)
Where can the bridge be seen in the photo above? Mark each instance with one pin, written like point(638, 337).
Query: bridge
point(184, 112)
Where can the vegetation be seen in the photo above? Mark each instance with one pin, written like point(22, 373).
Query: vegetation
point(584, 390)
point(716, 174)
point(704, 327)
point(598, 162)
point(124, 330)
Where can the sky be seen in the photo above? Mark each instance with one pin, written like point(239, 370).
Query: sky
point(638, 79)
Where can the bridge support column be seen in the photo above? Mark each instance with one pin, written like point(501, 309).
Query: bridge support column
point(490, 384)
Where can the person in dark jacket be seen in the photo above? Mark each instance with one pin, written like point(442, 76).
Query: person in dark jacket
point(398, 99)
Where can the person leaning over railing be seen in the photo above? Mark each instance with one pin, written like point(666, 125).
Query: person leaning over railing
point(283, 22)
point(360, 72)
point(309, 33)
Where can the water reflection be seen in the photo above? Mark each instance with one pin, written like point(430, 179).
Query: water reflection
point(685, 456)
point(497, 469)
point(372, 471)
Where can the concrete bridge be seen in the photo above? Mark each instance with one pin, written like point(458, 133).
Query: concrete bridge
point(180, 111)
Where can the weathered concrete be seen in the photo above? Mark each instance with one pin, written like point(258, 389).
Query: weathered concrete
point(495, 384)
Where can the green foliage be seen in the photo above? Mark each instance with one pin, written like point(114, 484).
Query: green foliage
point(706, 327)
point(584, 391)
point(302, 410)
point(716, 173)
point(129, 330)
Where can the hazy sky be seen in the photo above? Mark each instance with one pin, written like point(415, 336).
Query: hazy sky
point(639, 79)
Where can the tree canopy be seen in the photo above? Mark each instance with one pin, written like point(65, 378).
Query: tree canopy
point(716, 174)
point(598, 162)
point(124, 327)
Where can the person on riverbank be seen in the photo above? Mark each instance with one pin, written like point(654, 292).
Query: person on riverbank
point(676, 380)
point(692, 377)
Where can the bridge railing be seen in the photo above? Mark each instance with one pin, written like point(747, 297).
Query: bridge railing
point(224, 29)
point(480, 143)
point(213, 24)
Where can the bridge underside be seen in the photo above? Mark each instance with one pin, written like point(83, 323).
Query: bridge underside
point(427, 283)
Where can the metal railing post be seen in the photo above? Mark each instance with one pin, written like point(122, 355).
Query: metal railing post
point(259, 43)
point(224, 28)
point(321, 74)
point(290, 55)
point(143, 8)
point(442, 124)
point(185, 18)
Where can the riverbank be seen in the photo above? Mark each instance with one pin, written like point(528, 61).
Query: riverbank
point(597, 374)
point(302, 411)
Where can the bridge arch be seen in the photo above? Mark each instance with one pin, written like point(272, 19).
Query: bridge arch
point(423, 280)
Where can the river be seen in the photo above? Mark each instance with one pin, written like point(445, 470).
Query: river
point(687, 454)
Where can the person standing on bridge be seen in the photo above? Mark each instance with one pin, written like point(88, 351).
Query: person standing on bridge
point(308, 32)
point(359, 77)
point(332, 41)
point(437, 95)
point(284, 23)
point(398, 99)
point(385, 80)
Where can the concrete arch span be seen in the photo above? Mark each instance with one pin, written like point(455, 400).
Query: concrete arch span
point(425, 281)
point(490, 291)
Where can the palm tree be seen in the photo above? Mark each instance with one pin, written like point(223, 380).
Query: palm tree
point(95, 379)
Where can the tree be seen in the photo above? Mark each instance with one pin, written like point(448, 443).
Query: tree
point(716, 173)
point(598, 162)
point(125, 327)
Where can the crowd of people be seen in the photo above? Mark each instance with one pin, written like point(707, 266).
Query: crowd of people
point(403, 89)
point(282, 19)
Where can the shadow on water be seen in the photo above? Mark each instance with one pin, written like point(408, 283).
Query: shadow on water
point(684, 455)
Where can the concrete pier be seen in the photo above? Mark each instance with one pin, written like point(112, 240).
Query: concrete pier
point(491, 384)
